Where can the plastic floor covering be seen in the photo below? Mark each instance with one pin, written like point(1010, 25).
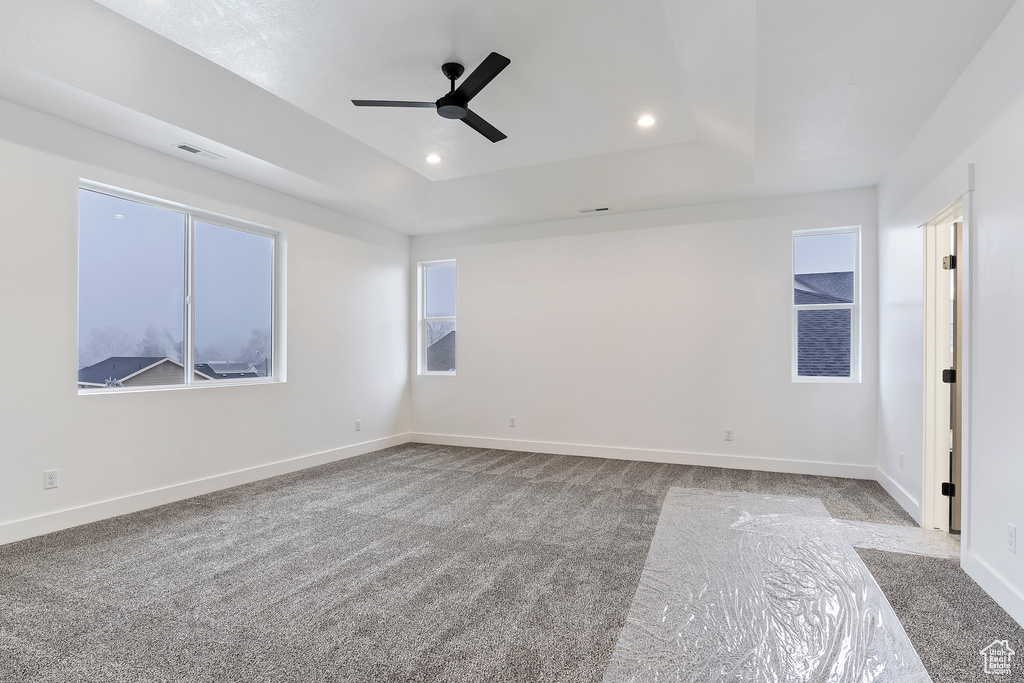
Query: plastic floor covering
point(760, 588)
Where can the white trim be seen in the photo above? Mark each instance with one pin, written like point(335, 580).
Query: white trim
point(966, 378)
point(193, 215)
point(992, 582)
point(743, 462)
point(28, 527)
point(935, 399)
point(102, 390)
point(855, 308)
point(188, 350)
point(218, 219)
point(900, 494)
point(421, 314)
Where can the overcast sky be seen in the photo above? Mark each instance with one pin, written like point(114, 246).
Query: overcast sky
point(132, 275)
point(825, 253)
point(440, 291)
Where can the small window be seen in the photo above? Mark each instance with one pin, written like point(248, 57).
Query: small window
point(826, 313)
point(162, 288)
point(437, 317)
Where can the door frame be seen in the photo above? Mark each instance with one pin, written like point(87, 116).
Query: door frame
point(935, 467)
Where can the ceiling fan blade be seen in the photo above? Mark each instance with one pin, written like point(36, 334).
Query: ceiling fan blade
point(394, 103)
point(480, 126)
point(484, 74)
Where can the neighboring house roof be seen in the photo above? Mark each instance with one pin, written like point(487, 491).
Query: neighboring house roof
point(122, 368)
point(824, 288)
point(823, 343)
point(226, 370)
point(117, 367)
point(226, 366)
point(823, 336)
point(441, 354)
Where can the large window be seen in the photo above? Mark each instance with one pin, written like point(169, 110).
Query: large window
point(437, 317)
point(162, 288)
point(826, 315)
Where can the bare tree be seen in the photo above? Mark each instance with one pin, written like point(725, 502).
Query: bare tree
point(105, 342)
point(159, 342)
point(257, 351)
point(209, 354)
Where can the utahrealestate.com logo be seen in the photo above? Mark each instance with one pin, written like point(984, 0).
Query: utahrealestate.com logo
point(998, 657)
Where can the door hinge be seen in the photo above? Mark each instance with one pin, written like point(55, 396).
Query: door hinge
point(948, 489)
point(949, 262)
point(949, 376)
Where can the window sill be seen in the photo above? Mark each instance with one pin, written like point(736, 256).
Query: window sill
point(206, 384)
point(826, 380)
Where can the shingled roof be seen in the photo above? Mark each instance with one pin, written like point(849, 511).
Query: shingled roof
point(116, 367)
point(823, 336)
point(441, 354)
point(120, 367)
point(823, 288)
point(227, 370)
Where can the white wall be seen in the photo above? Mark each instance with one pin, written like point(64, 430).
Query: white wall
point(347, 325)
point(981, 121)
point(644, 335)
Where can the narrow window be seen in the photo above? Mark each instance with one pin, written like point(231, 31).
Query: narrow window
point(826, 316)
point(437, 319)
point(234, 311)
point(162, 288)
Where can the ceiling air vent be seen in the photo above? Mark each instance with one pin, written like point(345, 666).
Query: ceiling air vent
point(597, 209)
point(192, 149)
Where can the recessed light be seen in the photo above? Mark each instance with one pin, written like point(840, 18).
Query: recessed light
point(432, 159)
point(118, 216)
point(645, 121)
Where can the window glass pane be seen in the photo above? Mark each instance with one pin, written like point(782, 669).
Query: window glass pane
point(234, 285)
point(823, 342)
point(440, 284)
point(823, 268)
point(131, 304)
point(440, 336)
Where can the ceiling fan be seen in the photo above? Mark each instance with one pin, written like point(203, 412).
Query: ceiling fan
point(455, 105)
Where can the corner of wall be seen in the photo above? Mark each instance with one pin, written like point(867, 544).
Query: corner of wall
point(900, 494)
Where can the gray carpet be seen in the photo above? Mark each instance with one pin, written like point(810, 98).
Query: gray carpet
point(417, 563)
point(948, 617)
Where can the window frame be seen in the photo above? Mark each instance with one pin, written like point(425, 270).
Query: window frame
point(854, 308)
point(192, 216)
point(423, 320)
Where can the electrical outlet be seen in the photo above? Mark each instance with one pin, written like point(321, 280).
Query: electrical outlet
point(1011, 538)
point(50, 479)
point(728, 433)
point(901, 462)
point(359, 425)
point(512, 421)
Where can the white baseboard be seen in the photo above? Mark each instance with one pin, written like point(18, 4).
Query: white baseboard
point(742, 462)
point(993, 583)
point(62, 519)
point(902, 496)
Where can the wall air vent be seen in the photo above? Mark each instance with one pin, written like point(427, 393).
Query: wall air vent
point(198, 151)
point(597, 209)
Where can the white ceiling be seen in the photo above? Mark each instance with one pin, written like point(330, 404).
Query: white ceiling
point(573, 89)
point(751, 98)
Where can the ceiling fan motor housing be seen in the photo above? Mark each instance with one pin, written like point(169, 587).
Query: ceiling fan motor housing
point(451, 106)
